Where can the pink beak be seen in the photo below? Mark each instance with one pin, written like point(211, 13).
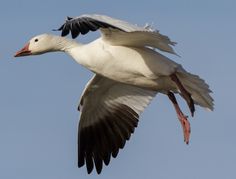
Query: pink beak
point(24, 51)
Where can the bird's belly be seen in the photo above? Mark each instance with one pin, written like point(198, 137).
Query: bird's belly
point(158, 83)
point(139, 67)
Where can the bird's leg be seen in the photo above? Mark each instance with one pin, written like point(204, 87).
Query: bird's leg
point(182, 118)
point(186, 95)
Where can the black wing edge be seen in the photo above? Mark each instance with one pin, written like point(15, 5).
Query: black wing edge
point(82, 25)
point(101, 140)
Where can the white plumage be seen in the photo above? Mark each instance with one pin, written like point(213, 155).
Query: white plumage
point(129, 72)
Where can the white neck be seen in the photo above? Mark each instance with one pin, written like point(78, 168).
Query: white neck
point(76, 50)
point(64, 44)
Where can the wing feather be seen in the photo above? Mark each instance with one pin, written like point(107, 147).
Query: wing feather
point(117, 32)
point(109, 115)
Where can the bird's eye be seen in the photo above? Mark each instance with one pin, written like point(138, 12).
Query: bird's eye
point(36, 40)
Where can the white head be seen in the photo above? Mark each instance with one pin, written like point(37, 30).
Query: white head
point(40, 44)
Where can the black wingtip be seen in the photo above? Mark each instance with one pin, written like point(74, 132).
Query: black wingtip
point(69, 18)
point(99, 171)
point(98, 165)
point(115, 153)
point(81, 162)
point(60, 28)
point(107, 159)
point(89, 169)
point(89, 163)
point(65, 32)
point(64, 28)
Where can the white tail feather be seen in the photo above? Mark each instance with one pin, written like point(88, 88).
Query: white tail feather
point(198, 89)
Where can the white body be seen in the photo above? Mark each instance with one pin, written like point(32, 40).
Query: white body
point(138, 66)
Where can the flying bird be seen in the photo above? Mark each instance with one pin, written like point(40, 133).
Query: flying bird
point(129, 71)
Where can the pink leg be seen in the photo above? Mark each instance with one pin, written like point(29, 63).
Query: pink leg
point(186, 95)
point(182, 118)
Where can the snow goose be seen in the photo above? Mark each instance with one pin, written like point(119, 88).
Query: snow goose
point(129, 72)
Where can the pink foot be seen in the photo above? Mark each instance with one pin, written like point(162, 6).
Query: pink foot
point(185, 125)
point(182, 118)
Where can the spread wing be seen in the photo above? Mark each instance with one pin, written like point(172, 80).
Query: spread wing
point(117, 32)
point(109, 114)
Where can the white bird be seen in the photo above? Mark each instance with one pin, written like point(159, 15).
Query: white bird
point(129, 72)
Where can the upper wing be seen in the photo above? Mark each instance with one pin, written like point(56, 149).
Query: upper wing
point(109, 114)
point(117, 32)
point(148, 38)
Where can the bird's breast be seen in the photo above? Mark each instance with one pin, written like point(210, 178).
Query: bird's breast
point(137, 66)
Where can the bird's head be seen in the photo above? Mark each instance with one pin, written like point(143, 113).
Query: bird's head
point(38, 45)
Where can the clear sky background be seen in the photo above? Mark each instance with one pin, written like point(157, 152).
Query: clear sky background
point(39, 95)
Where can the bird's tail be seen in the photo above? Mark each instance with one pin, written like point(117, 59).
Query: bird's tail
point(198, 88)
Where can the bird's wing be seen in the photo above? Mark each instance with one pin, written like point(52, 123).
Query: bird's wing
point(117, 32)
point(109, 114)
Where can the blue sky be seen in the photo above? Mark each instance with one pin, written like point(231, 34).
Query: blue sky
point(39, 95)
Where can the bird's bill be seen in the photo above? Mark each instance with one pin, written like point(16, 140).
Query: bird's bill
point(24, 51)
